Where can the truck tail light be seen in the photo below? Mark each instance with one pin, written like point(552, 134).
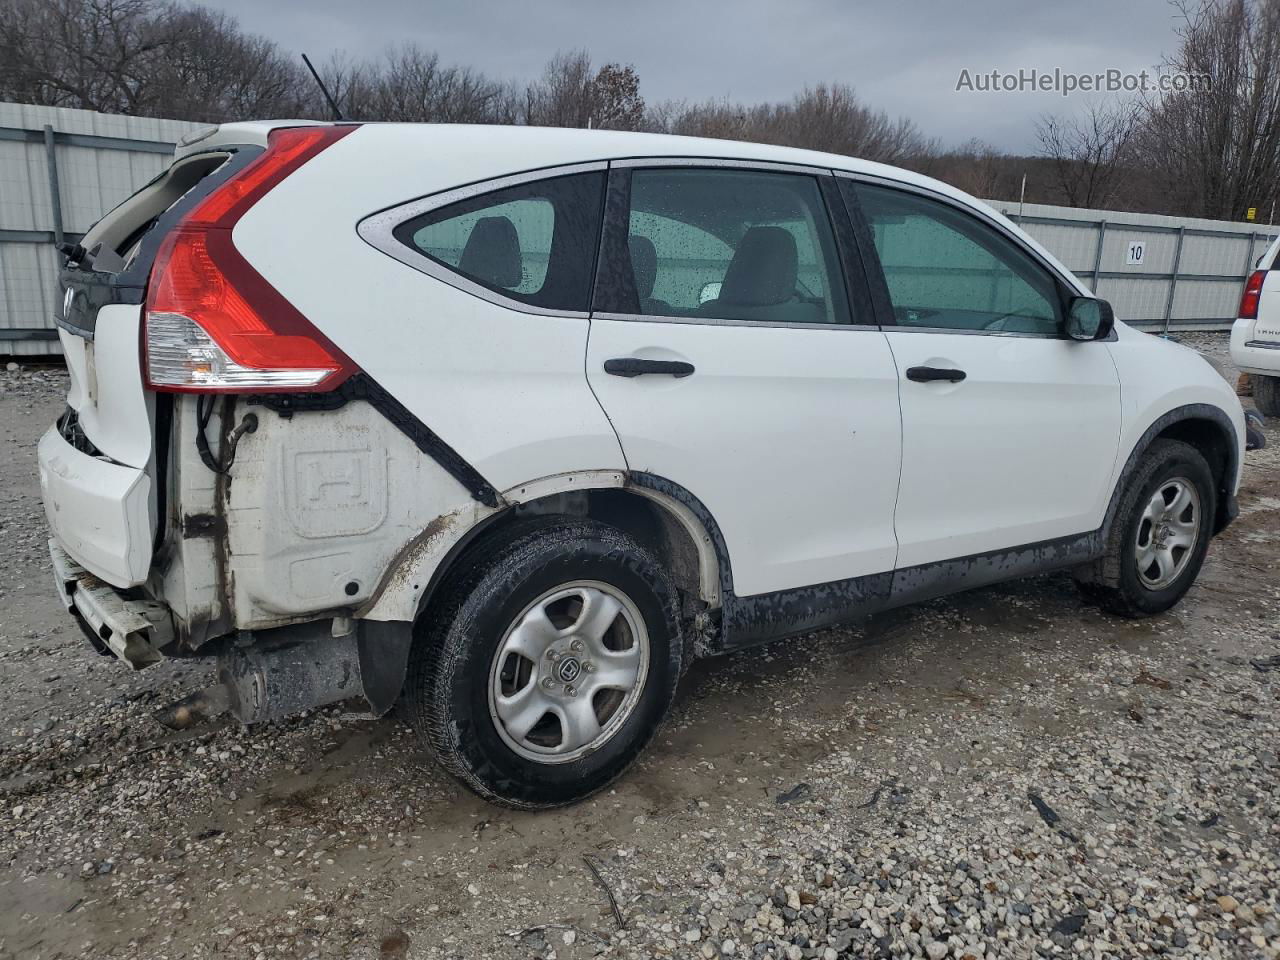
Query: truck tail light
point(212, 322)
point(1252, 295)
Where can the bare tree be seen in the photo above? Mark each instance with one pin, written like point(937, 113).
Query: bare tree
point(619, 105)
point(214, 71)
point(92, 54)
point(410, 84)
point(1089, 151)
point(1216, 142)
point(141, 57)
point(829, 118)
point(832, 118)
point(566, 94)
point(185, 61)
point(976, 167)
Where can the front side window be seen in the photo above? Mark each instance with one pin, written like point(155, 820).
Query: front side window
point(733, 245)
point(534, 243)
point(948, 270)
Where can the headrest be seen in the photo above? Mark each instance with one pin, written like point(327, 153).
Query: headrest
point(764, 269)
point(492, 253)
point(644, 264)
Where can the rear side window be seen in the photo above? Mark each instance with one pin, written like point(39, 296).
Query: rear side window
point(733, 245)
point(534, 242)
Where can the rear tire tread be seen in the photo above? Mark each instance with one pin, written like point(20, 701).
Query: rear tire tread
point(495, 569)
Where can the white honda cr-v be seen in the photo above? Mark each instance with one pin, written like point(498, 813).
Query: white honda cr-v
point(518, 422)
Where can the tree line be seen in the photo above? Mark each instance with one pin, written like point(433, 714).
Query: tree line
point(1212, 150)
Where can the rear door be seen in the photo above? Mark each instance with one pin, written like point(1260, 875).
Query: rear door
point(1010, 431)
point(732, 360)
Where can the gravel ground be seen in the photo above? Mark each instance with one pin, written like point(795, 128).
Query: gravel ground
point(1005, 773)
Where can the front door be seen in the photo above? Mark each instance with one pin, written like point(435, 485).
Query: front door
point(1010, 431)
point(729, 362)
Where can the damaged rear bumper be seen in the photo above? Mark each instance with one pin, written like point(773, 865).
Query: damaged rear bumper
point(134, 630)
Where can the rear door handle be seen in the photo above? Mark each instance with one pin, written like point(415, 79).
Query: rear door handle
point(638, 367)
point(929, 374)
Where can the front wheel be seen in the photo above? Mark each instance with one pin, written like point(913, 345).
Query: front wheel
point(552, 666)
point(1159, 536)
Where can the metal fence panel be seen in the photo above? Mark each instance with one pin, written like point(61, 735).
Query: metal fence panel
point(1074, 245)
point(1192, 270)
point(98, 161)
point(1220, 256)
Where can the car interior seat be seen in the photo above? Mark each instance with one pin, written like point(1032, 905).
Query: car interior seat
point(644, 267)
point(492, 254)
point(760, 283)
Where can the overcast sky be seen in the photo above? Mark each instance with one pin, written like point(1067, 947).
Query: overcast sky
point(904, 57)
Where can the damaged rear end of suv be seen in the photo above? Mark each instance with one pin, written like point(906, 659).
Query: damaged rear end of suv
point(185, 361)
point(248, 470)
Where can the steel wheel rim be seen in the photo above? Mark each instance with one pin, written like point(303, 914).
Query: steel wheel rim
point(568, 672)
point(1168, 532)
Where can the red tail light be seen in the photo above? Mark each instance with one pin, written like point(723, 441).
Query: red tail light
point(1252, 295)
point(212, 322)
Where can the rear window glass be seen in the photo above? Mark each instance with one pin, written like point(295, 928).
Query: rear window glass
point(534, 243)
point(122, 229)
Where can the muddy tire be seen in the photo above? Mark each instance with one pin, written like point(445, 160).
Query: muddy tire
point(1159, 536)
point(1266, 395)
point(549, 665)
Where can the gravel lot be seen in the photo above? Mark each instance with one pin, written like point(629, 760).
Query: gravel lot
point(1006, 773)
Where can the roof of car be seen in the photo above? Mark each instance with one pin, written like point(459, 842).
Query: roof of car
point(579, 145)
point(493, 150)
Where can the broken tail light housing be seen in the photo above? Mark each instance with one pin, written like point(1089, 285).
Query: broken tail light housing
point(212, 323)
point(1252, 295)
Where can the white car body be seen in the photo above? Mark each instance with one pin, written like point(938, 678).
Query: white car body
point(804, 478)
point(1255, 340)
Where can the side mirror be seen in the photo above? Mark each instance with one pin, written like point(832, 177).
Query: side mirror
point(1089, 318)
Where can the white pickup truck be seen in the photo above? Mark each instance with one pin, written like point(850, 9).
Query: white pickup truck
point(1255, 337)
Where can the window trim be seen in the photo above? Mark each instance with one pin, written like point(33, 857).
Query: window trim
point(616, 218)
point(378, 230)
point(766, 166)
point(1066, 286)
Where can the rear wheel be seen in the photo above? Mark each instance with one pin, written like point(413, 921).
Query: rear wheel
point(551, 667)
point(1266, 395)
point(1158, 539)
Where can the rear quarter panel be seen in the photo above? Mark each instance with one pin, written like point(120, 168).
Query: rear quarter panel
point(336, 511)
point(506, 389)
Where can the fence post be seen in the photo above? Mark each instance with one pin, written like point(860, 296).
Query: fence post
point(1173, 280)
point(1097, 256)
point(1248, 255)
point(55, 194)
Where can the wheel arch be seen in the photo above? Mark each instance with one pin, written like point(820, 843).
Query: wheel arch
point(660, 514)
point(1210, 430)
